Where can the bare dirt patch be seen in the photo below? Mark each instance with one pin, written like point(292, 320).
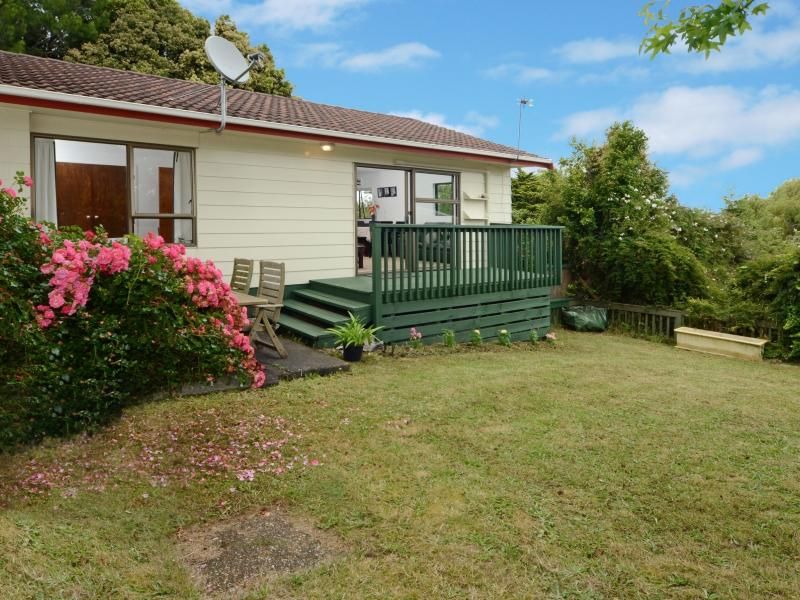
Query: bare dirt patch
point(227, 557)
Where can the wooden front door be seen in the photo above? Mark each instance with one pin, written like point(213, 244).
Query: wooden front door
point(166, 202)
point(92, 195)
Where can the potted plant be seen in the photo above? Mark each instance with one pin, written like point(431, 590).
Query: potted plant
point(352, 336)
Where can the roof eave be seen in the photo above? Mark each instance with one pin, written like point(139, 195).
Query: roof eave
point(89, 104)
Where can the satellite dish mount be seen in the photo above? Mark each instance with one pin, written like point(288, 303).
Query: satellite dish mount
point(232, 67)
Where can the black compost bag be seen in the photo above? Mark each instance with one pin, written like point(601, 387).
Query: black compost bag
point(585, 318)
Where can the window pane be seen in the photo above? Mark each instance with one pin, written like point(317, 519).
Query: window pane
point(431, 212)
point(89, 186)
point(178, 231)
point(434, 186)
point(162, 181)
point(387, 189)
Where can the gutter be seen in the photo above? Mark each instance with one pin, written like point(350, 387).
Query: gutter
point(11, 94)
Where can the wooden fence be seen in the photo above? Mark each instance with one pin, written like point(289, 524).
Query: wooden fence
point(662, 322)
point(643, 320)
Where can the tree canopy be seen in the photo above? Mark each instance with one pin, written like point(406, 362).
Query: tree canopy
point(159, 37)
point(51, 27)
point(702, 28)
point(621, 238)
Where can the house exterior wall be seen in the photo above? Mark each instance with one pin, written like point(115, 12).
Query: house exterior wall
point(266, 197)
point(15, 151)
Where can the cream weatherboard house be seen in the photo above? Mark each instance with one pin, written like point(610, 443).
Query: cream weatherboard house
point(398, 220)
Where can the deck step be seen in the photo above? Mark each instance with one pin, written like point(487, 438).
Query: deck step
point(336, 302)
point(327, 317)
point(356, 292)
point(312, 333)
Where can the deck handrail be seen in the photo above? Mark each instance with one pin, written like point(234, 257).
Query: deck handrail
point(421, 262)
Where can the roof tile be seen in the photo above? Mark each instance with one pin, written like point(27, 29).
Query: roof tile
point(26, 71)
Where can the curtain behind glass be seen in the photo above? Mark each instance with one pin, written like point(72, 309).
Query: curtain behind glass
point(45, 182)
point(182, 170)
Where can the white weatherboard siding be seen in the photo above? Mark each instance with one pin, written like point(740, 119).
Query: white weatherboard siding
point(15, 149)
point(266, 197)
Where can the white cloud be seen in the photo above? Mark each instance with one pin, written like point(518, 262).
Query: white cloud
point(325, 54)
point(702, 121)
point(402, 55)
point(615, 75)
point(724, 127)
point(474, 122)
point(588, 122)
point(292, 15)
point(333, 55)
point(709, 120)
point(686, 175)
point(741, 157)
point(596, 50)
point(519, 72)
point(755, 49)
point(485, 121)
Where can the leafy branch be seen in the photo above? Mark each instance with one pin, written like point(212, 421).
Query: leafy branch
point(703, 28)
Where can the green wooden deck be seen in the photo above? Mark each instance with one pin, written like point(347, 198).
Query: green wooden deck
point(434, 278)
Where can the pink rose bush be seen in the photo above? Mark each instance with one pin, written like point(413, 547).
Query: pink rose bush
point(73, 268)
point(89, 324)
point(208, 290)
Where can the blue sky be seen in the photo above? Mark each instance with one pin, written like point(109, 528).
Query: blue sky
point(730, 124)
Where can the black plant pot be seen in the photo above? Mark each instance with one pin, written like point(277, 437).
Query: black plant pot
point(352, 353)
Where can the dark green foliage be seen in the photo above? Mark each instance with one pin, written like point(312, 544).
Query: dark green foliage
point(533, 195)
point(756, 267)
point(159, 37)
point(163, 38)
point(620, 223)
point(652, 268)
point(774, 282)
point(50, 27)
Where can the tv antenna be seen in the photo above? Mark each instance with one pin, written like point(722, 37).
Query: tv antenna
point(232, 68)
point(522, 103)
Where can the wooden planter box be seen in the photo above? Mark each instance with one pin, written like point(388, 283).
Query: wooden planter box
point(721, 344)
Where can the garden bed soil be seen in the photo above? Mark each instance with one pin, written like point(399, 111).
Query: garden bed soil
point(228, 557)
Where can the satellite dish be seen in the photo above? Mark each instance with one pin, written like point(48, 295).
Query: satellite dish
point(231, 66)
point(227, 60)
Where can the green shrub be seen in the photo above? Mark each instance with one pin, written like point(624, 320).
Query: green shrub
point(503, 337)
point(652, 268)
point(623, 231)
point(449, 338)
point(475, 337)
point(774, 282)
point(354, 332)
point(89, 325)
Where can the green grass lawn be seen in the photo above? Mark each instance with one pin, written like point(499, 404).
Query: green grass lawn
point(601, 467)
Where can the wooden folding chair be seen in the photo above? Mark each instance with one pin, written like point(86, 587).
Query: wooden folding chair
point(271, 286)
point(242, 275)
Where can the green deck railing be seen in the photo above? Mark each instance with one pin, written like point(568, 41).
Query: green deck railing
point(413, 263)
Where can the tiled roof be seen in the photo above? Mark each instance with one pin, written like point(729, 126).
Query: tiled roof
point(104, 83)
